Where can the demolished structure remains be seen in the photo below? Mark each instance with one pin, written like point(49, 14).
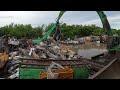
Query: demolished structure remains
point(52, 58)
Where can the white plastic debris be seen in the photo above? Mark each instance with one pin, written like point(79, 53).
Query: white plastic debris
point(50, 74)
point(31, 51)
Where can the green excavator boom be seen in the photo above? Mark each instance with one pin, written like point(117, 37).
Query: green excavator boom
point(104, 20)
point(60, 15)
point(106, 25)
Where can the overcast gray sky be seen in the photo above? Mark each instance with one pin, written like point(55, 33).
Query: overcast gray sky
point(36, 18)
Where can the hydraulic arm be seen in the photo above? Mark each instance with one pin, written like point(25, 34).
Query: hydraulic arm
point(103, 18)
point(105, 23)
point(58, 35)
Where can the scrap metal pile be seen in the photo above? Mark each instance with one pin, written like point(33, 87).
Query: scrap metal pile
point(41, 56)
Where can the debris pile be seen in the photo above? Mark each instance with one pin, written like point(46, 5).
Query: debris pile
point(43, 54)
point(43, 50)
point(53, 51)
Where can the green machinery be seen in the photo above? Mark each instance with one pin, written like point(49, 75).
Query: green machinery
point(104, 20)
point(101, 14)
point(113, 42)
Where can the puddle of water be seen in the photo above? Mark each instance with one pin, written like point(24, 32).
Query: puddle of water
point(90, 49)
point(90, 52)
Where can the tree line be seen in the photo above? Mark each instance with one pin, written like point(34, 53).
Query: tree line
point(68, 31)
point(20, 30)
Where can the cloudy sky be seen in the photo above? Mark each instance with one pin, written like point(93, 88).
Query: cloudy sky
point(36, 18)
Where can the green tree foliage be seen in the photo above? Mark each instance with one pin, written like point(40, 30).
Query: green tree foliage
point(80, 31)
point(20, 30)
point(68, 31)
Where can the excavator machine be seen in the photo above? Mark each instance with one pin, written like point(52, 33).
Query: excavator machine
point(111, 41)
